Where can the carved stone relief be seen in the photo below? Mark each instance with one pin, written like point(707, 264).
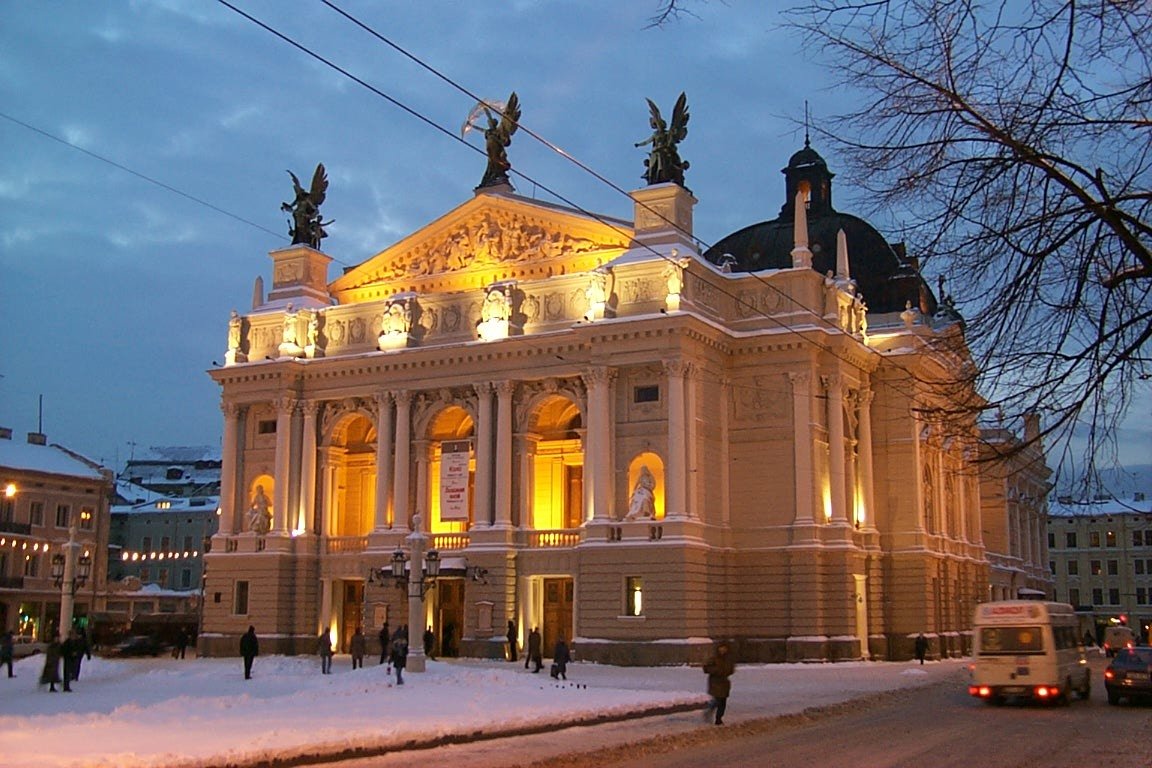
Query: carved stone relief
point(761, 398)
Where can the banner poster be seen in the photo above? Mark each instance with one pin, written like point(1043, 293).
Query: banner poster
point(454, 458)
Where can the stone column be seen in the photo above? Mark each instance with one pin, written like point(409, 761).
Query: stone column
point(836, 476)
point(284, 408)
point(308, 468)
point(382, 518)
point(482, 496)
point(230, 467)
point(423, 451)
point(865, 452)
point(598, 449)
point(526, 451)
point(503, 463)
point(675, 480)
point(403, 401)
point(802, 447)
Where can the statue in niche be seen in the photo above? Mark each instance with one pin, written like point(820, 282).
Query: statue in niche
point(306, 225)
point(313, 329)
point(260, 512)
point(496, 306)
point(664, 163)
point(234, 326)
point(497, 136)
point(643, 502)
point(288, 336)
point(395, 319)
point(596, 292)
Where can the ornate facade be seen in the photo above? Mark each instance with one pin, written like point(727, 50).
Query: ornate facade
point(605, 434)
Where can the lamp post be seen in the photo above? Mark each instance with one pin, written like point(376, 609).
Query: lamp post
point(69, 573)
point(418, 585)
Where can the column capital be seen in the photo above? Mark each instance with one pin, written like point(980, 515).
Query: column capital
point(505, 388)
point(483, 388)
point(382, 398)
point(800, 380)
point(284, 404)
point(832, 381)
point(598, 375)
point(230, 408)
point(403, 397)
point(309, 407)
point(677, 367)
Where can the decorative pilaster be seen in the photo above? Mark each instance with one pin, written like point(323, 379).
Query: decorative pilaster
point(482, 498)
point(423, 451)
point(382, 519)
point(229, 468)
point(802, 447)
point(403, 401)
point(834, 385)
point(503, 463)
point(283, 469)
point(865, 453)
point(599, 448)
point(308, 468)
point(674, 498)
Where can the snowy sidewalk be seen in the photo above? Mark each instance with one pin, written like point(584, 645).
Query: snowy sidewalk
point(201, 712)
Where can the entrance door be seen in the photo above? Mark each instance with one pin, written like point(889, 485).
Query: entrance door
point(352, 613)
point(450, 616)
point(557, 612)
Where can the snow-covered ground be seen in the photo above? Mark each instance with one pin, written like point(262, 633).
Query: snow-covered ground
point(199, 712)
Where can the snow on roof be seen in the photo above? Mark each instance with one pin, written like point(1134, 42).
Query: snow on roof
point(1064, 507)
point(170, 504)
point(178, 454)
point(49, 459)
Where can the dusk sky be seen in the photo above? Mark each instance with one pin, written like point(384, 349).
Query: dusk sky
point(117, 291)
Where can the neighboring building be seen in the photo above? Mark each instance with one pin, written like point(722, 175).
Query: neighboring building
point(608, 435)
point(162, 542)
point(45, 490)
point(1100, 554)
point(1014, 486)
point(174, 471)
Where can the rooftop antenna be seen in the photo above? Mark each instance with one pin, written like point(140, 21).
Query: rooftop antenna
point(40, 416)
point(807, 143)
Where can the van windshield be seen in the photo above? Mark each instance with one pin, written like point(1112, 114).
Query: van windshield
point(995, 641)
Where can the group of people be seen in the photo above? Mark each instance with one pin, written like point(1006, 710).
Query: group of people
point(534, 654)
point(71, 652)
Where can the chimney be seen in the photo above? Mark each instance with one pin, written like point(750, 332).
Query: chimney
point(37, 438)
point(1031, 425)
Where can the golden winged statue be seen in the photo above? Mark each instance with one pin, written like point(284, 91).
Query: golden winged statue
point(305, 225)
point(664, 163)
point(503, 118)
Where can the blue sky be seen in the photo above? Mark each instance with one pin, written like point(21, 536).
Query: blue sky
point(116, 292)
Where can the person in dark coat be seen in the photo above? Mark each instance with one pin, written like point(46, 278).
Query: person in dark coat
point(7, 652)
point(181, 644)
point(358, 646)
point(385, 643)
point(69, 656)
point(560, 658)
point(324, 648)
point(512, 634)
point(719, 668)
point(429, 643)
point(249, 649)
point(84, 650)
point(921, 647)
point(51, 673)
point(535, 650)
point(399, 655)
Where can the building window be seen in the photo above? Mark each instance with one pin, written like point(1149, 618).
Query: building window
point(1051, 541)
point(174, 473)
point(240, 603)
point(1094, 566)
point(186, 578)
point(1148, 538)
point(1052, 567)
point(1074, 596)
point(188, 544)
point(146, 544)
point(646, 394)
point(7, 510)
point(1073, 568)
point(1110, 538)
point(145, 574)
point(1114, 596)
point(1138, 567)
point(266, 427)
point(1097, 596)
point(87, 518)
point(36, 513)
point(63, 514)
point(164, 542)
point(32, 566)
point(1113, 567)
point(1138, 538)
point(1094, 538)
point(1070, 539)
point(1141, 595)
point(634, 597)
point(162, 577)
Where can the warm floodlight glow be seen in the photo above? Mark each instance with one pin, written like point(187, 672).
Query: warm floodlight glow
point(9, 490)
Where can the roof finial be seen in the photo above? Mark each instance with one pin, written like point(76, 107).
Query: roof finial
point(807, 143)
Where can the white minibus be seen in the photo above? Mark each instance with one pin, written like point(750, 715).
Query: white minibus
point(1028, 648)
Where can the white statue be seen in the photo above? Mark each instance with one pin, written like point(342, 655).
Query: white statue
point(496, 306)
point(234, 331)
point(260, 512)
point(395, 319)
point(289, 336)
point(643, 503)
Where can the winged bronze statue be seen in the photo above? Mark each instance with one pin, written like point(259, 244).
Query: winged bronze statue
point(664, 163)
point(497, 137)
point(306, 225)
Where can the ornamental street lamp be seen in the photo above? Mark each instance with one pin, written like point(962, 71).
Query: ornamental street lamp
point(418, 585)
point(69, 573)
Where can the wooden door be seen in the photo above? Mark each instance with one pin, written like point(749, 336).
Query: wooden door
point(450, 616)
point(557, 612)
point(352, 613)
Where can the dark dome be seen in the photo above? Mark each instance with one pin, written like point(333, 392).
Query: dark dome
point(885, 277)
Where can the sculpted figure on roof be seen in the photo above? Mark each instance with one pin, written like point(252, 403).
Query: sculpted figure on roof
point(664, 163)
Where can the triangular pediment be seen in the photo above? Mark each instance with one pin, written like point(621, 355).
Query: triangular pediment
point(490, 237)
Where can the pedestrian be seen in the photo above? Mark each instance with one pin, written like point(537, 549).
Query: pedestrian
point(560, 658)
point(181, 644)
point(719, 668)
point(51, 673)
point(7, 651)
point(512, 634)
point(921, 647)
point(358, 646)
point(400, 655)
point(69, 655)
point(385, 644)
point(429, 642)
point(535, 650)
point(448, 644)
point(1089, 641)
point(84, 649)
point(249, 649)
point(324, 648)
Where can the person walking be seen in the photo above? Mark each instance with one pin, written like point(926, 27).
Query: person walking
point(7, 651)
point(181, 644)
point(51, 672)
point(400, 655)
point(512, 634)
point(560, 658)
point(358, 647)
point(429, 642)
point(249, 649)
point(385, 644)
point(324, 648)
point(70, 657)
point(921, 647)
point(535, 650)
point(719, 668)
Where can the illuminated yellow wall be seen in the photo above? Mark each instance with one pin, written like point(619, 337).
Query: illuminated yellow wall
point(551, 502)
point(656, 466)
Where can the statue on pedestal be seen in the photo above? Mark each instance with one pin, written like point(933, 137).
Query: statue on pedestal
point(306, 226)
point(497, 136)
point(664, 163)
point(260, 512)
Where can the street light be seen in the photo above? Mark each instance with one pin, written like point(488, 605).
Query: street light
point(69, 574)
point(418, 585)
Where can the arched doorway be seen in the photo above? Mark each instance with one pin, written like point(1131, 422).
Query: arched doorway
point(556, 435)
